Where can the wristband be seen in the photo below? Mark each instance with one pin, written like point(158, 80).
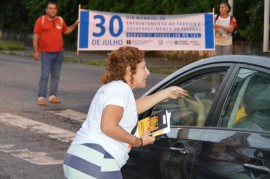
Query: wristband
point(137, 142)
point(141, 142)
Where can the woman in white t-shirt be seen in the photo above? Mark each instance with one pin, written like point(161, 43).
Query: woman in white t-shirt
point(102, 144)
point(224, 27)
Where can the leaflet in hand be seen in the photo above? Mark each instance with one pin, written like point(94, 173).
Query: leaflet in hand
point(158, 124)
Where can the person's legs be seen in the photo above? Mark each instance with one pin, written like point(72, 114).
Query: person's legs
point(55, 73)
point(90, 161)
point(218, 50)
point(46, 64)
point(223, 50)
point(216, 78)
point(227, 50)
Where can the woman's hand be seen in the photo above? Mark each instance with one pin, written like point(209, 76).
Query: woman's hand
point(147, 139)
point(175, 92)
point(216, 26)
point(146, 102)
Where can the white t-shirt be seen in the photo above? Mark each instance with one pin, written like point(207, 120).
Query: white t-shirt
point(114, 93)
point(222, 37)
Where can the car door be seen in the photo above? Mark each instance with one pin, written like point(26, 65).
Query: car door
point(239, 146)
point(172, 154)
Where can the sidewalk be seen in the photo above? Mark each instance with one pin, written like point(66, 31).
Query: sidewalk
point(162, 65)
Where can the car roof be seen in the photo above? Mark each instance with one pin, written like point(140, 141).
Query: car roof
point(243, 59)
point(253, 60)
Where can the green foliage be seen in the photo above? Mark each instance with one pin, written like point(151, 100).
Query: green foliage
point(12, 16)
point(19, 16)
point(250, 19)
point(151, 6)
point(11, 45)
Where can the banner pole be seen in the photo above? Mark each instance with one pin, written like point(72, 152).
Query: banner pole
point(79, 12)
point(214, 31)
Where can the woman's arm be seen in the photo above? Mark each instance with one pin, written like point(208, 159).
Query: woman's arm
point(111, 117)
point(229, 29)
point(146, 102)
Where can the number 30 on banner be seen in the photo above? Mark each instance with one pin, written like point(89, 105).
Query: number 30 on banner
point(101, 22)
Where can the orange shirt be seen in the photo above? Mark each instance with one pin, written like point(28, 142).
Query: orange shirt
point(50, 34)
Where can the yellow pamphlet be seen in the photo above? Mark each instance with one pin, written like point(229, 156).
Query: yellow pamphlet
point(158, 124)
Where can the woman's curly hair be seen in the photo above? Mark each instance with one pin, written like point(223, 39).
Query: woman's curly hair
point(119, 60)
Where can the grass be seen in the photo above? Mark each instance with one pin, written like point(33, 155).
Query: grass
point(97, 63)
point(71, 60)
point(92, 62)
point(103, 63)
point(11, 45)
point(160, 70)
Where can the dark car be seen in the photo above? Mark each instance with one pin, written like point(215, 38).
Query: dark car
point(222, 130)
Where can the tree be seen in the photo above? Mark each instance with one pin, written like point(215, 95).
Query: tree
point(13, 17)
point(19, 16)
point(250, 19)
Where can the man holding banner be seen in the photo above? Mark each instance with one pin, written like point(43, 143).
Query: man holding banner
point(48, 46)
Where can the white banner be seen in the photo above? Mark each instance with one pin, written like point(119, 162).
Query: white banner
point(109, 31)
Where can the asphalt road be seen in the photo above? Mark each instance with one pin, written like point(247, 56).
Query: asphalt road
point(34, 139)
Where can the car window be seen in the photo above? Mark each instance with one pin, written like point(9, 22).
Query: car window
point(247, 105)
point(193, 109)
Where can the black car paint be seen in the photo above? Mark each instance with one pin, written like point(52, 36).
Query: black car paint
point(210, 151)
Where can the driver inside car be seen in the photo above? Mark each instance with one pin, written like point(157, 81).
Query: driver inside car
point(256, 103)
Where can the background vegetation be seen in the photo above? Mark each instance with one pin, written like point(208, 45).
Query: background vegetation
point(17, 17)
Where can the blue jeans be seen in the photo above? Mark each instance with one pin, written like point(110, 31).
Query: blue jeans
point(51, 64)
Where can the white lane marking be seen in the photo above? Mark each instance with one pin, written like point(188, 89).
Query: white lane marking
point(68, 113)
point(38, 127)
point(38, 158)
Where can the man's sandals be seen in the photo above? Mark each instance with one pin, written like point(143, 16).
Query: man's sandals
point(41, 101)
point(54, 99)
